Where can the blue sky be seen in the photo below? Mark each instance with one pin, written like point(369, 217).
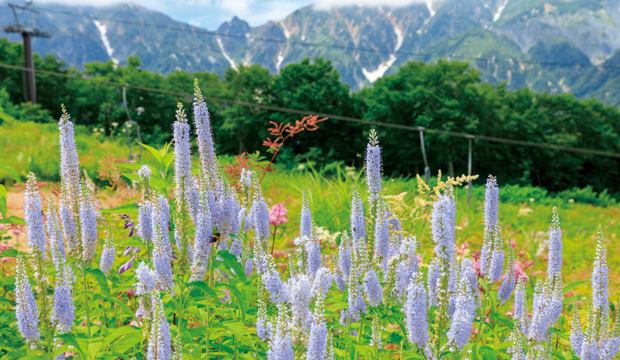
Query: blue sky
point(210, 14)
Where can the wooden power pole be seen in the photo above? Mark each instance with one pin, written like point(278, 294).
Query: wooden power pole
point(28, 32)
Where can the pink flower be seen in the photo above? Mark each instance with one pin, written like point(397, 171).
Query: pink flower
point(68, 355)
point(476, 265)
point(134, 323)
point(520, 272)
point(7, 259)
point(5, 247)
point(277, 214)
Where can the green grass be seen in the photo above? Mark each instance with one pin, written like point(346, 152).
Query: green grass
point(27, 146)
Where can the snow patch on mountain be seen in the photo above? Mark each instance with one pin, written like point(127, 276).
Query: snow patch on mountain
point(230, 61)
point(104, 39)
point(499, 11)
point(429, 5)
point(372, 76)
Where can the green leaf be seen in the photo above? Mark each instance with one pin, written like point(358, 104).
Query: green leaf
point(239, 329)
point(131, 209)
point(129, 166)
point(134, 241)
point(132, 177)
point(557, 354)
point(505, 320)
point(71, 340)
point(574, 299)
point(202, 286)
point(3, 196)
point(575, 285)
point(11, 170)
point(125, 308)
point(558, 332)
point(13, 220)
point(153, 151)
point(121, 331)
point(240, 298)
point(167, 160)
point(231, 262)
point(101, 280)
point(488, 353)
point(10, 253)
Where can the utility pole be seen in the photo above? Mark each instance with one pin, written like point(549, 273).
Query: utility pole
point(28, 32)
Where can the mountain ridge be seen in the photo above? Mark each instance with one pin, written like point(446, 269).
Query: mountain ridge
point(545, 45)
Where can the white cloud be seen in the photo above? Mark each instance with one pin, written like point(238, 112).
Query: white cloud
point(80, 2)
point(330, 4)
point(237, 7)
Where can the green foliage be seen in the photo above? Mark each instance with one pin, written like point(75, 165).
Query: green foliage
point(444, 95)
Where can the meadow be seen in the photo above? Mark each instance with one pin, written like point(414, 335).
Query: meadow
point(299, 299)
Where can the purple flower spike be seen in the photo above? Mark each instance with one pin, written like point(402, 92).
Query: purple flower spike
point(127, 250)
point(126, 266)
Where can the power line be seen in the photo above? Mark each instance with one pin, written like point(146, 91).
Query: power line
point(195, 30)
point(333, 117)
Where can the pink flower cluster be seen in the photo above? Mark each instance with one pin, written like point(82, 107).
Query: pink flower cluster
point(278, 214)
point(4, 247)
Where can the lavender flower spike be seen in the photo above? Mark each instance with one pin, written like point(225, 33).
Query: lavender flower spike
point(520, 308)
point(161, 262)
point(305, 226)
point(373, 288)
point(344, 255)
point(260, 214)
point(491, 208)
point(416, 319)
point(497, 257)
point(202, 245)
point(382, 236)
point(57, 245)
point(462, 321)
point(69, 230)
point(443, 225)
point(182, 152)
point(145, 221)
point(88, 223)
point(160, 223)
point(26, 310)
point(373, 165)
point(69, 163)
point(64, 308)
point(204, 135)
point(576, 335)
point(600, 276)
point(147, 280)
point(555, 246)
point(107, 255)
point(281, 344)
point(358, 223)
point(508, 285)
point(34, 217)
point(301, 295)
point(160, 347)
point(317, 343)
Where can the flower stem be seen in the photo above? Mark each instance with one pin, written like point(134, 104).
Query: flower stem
point(86, 301)
point(273, 243)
